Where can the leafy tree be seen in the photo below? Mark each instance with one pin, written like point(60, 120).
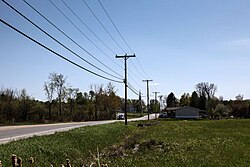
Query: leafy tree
point(240, 109)
point(172, 100)
point(203, 102)
point(72, 95)
point(194, 100)
point(24, 105)
point(185, 100)
point(154, 105)
point(220, 111)
point(7, 104)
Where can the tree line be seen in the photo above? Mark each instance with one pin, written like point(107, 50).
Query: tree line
point(64, 103)
point(204, 98)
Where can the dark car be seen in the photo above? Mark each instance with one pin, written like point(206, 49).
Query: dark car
point(120, 117)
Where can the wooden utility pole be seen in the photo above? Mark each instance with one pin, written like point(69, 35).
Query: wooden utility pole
point(125, 81)
point(156, 107)
point(140, 102)
point(147, 80)
point(156, 95)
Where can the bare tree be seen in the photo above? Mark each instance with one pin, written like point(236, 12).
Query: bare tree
point(204, 88)
point(49, 92)
point(58, 81)
point(206, 92)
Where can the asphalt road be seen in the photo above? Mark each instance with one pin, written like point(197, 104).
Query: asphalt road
point(10, 133)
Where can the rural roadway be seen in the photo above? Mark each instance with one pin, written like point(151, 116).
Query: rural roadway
point(10, 133)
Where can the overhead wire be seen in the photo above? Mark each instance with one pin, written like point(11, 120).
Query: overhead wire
point(57, 40)
point(123, 39)
point(81, 20)
point(68, 36)
point(115, 26)
point(103, 26)
point(81, 33)
point(57, 54)
point(132, 89)
point(113, 37)
point(89, 28)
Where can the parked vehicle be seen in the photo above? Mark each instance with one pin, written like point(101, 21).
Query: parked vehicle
point(120, 117)
point(163, 115)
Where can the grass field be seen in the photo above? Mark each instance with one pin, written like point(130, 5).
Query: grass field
point(163, 143)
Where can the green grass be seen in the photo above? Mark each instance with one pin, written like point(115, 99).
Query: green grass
point(77, 145)
point(164, 143)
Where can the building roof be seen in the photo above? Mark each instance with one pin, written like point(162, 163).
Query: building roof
point(191, 108)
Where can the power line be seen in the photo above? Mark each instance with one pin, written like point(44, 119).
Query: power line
point(142, 68)
point(123, 40)
point(58, 41)
point(69, 37)
point(115, 26)
point(136, 69)
point(91, 32)
point(133, 89)
point(112, 36)
point(78, 30)
point(103, 26)
point(135, 81)
point(57, 54)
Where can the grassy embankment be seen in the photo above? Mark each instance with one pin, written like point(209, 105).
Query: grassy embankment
point(164, 143)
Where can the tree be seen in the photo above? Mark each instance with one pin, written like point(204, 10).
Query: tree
point(220, 111)
point(7, 106)
point(172, 100)
point(240, 109)
point(24, 105)
point(194, 100)
point(72, 95)
point(205, 91)
point(58, 81)
point(185, 100)
point(49, 92)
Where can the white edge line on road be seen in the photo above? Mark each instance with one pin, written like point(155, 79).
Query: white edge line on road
point(48, 132)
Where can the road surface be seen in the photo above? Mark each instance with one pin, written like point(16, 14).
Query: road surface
point(10, 133)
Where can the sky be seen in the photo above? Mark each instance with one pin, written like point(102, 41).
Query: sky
point(177, 43)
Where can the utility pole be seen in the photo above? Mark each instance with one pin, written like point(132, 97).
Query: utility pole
point(147, 80)
point(155, 95)
point(125, 81)
point(160, 96)
point(140, 105)
point(155, 102)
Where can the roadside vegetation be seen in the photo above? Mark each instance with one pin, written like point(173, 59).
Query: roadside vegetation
point(155, 143)
point(66, 103)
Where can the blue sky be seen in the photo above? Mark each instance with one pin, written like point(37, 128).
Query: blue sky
point(179, 43)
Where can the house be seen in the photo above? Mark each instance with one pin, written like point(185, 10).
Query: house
point(188, 112)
